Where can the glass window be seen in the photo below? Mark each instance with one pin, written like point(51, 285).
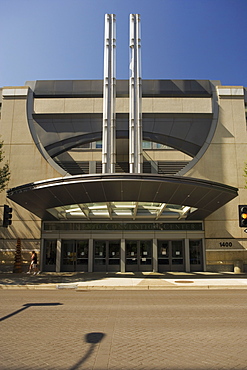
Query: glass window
point(160, 146)
point(68, 252)
point(98, 144)
point(50, 251)
point(177, 252)
point(195, 252)
point(82, 252)
point(146, 145)
point(163, 249)
point(99, 249)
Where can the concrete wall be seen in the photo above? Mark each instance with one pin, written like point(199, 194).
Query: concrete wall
point(223, 161)
point(26, 165)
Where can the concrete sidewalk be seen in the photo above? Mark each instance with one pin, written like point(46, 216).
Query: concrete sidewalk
point(124, 281)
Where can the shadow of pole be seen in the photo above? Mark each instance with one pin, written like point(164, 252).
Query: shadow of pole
point(93, 339)
point(27, 305)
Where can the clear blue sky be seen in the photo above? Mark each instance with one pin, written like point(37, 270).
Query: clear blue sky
point(181, 39)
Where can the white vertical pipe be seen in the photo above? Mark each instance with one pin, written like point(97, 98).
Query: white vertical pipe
point(139, 95)
point(109, 96)
point(113, 95)
point(132, 96)
point(105, 94)
point(135, 97)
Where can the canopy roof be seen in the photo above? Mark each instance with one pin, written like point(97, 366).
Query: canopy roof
point(194, 199)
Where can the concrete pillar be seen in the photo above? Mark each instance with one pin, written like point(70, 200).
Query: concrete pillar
point(122, 256)
point(203, 254)
point(155, 255)
point(42, 256)
point(187, 254)
point(59, 255)
point(90, 255)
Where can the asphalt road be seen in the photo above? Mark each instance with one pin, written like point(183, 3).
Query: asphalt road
point(123, 330)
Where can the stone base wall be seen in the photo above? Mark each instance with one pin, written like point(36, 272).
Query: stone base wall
point(226, 261)
point(8, 251)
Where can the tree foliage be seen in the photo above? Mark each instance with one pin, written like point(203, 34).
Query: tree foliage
point(4, 171)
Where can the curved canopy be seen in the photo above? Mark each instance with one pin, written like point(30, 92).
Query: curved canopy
point(205, 196)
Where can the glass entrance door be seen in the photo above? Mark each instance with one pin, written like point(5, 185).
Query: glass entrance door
point(81, 255)
point(171, 255)
point(106, 255)
point(74, 255)
point(50, 254)
point(196, 259)
point(139, 255)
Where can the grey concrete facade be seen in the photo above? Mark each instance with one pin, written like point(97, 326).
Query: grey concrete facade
point(194, 132)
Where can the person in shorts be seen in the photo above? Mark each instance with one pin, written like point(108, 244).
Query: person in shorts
point(33, 265)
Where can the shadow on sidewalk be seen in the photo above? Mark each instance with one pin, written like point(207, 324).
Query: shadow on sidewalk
point(93, 339)
point(27, 305)
point(23, 279)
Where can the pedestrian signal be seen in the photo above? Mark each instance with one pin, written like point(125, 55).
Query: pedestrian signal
point(7, 216)
point(242, 216)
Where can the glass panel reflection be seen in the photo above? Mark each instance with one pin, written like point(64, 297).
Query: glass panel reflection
point(68, 253)
point(82, 252)
point(114, 252)
point(50, 247)
point(177, 252)
point(146, 252)
point(195, 252)
point(131, 252)
point(163, 252)
point(100, 252)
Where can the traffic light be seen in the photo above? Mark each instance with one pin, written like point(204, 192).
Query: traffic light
point(242, 216)
point(7, 216)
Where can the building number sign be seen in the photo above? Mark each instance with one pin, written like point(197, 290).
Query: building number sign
point(225, 244)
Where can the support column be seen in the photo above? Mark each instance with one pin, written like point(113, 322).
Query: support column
point(122, 256)
point(59, 254)
point(42, 256)
point(155, 255)
point(109, 96)
point(90, 255)
point(187, 254)
point(204, 255)
point(135, 97)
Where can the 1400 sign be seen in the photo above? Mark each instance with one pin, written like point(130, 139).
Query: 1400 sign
point(226, 244)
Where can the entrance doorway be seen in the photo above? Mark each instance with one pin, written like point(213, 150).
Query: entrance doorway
point(106, 255)
point(74, 255)
point(50, 254)
point(139, 255)
point(196, 255)
point(171, 255)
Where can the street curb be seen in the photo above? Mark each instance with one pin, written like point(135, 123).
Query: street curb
point(161, 287)
point(124, 288)
point(29, 287)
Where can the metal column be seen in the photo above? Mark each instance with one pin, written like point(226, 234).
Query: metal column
point(109, 96)
point(187, 254)
point(90, 255)
point(59, 255)
point(135, 97)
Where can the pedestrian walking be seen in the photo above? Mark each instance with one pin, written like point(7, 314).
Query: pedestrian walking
point(33, 264)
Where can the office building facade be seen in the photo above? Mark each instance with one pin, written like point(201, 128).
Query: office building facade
point(126, 175)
